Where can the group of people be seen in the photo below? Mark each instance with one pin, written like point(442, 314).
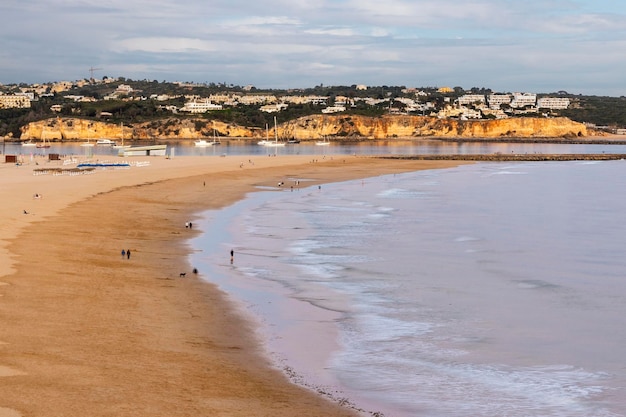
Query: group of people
point(126, 253)
point(188, 225)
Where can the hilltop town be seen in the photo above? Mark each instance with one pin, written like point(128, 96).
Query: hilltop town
point(120, 100)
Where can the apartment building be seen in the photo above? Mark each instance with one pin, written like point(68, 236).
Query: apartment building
point(554, 103)
point(471, 99)
point(200, 106)
point(12, 101)
point(273, 108)
point(521, 100)
point(315, 100)
point(253, 99)
point(497, 100)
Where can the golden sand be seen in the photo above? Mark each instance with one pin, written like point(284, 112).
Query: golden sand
point(87, 332)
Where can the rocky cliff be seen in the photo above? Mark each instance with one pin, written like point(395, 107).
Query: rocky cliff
point(310, 128)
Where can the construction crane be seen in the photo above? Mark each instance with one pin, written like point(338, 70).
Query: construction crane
point(91, 70)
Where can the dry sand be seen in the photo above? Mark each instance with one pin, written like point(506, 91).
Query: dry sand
point(87, 332)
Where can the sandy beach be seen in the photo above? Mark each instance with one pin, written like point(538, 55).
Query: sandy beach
point(87, 331)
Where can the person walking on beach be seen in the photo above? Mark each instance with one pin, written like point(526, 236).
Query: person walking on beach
point(232, 256)
point(127, 253)
point(123, 253)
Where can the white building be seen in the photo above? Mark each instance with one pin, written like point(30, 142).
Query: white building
point(497, 100)
point(471, 99)
point(333, 109)
point(273, 108)
point(471, 114)
point(200, 106)
point(315, 100)
point(521, 100)
point(124, 89)
point(554, 103)
point(497, 113)
point(14, 101)
point(254, 99)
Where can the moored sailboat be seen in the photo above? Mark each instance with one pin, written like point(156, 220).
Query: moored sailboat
point(122, 146)
point(275, 143)
point(43, 143)
point(88, 143)
point(204, 142)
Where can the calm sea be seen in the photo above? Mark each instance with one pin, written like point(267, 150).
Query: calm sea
point(492, 289)
point(371, 147)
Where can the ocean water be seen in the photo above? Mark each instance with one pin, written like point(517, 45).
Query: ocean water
point(495, 289)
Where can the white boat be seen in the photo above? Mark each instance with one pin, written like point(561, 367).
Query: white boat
point(204, 142)
point(122, 146)
point(105, 142)
point(29, 143)
point(88, 143)
point(201, 143)
point(275, 143)
point(267, 137)
point(323, 142)
point(42, 144)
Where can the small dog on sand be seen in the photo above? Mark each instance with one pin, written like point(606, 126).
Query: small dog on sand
point(182, 275)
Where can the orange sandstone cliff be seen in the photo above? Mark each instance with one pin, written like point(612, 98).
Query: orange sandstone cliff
point(310, 128)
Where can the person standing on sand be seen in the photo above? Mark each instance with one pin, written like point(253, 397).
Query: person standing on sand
point(232, 256)
point(127, 253)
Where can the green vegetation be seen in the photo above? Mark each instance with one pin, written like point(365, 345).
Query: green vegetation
point(601, 111)
point(141, 105)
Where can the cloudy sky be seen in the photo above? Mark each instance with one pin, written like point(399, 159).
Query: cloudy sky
point(506, 45)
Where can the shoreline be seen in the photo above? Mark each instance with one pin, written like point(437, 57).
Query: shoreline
point(594, 139)
point(286, 339)
point(88, 331)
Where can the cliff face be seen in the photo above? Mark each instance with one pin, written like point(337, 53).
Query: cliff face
point(310, 128)
point(420, 126)
point(80, 129)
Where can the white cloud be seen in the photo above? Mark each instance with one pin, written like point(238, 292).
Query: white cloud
point(156, 44)
point(332, 31)
point(471, 42)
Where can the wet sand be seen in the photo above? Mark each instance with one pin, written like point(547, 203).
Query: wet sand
point(86, 331)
